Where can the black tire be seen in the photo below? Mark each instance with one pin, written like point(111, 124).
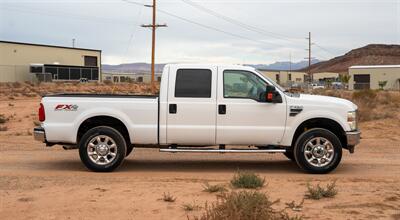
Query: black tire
point(306, 137)
point(290, 155)
point(102, 131)
point(129, 150)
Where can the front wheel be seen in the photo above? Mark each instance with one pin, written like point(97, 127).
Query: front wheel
point(102, 149)
point(318, 151)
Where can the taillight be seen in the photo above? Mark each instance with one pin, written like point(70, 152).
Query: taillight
point(42, 115)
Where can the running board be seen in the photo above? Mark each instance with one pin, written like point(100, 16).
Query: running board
point(191, 150)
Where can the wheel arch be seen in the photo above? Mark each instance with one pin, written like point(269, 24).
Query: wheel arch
point(320, 122)
point(103, 120)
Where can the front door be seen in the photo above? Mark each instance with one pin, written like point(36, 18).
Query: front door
point(241, 118)
point(191, 110)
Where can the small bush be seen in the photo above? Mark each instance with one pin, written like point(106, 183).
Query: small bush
point(3, 119)
point(214, 188)
point(167, 197)
point(188, 207)
point(247, 180)
point(243, 205)
point(3, 128)
point(295, 207)
point(317, 192)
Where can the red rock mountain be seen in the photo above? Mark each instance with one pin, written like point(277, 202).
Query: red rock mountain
point(372, 54)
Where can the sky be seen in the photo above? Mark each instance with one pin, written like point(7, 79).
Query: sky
point(217, 31)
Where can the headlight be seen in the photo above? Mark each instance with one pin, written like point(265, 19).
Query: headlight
point(352, 120)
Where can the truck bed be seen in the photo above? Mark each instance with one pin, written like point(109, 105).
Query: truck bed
point(99, 95)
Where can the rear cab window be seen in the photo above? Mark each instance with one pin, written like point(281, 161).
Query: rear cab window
point(193, 83)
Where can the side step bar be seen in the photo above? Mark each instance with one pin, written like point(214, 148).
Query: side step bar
point(199, 150)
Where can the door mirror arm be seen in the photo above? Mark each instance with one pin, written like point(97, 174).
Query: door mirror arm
point(270, 95)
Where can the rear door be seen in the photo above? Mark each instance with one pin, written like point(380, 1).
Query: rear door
point(191, 109)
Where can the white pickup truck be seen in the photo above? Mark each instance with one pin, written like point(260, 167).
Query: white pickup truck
point(203, 108)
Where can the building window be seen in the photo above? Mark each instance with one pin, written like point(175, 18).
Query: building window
point(193, 83)
point(290, 77)
point(362, 81)
point(36, 69)
point(90, 61)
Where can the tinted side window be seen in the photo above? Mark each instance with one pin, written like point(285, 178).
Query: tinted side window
point(193, 83)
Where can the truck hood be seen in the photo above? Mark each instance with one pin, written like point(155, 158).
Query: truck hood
point(327, 101)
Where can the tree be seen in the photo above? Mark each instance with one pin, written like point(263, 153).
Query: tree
point(345, 79)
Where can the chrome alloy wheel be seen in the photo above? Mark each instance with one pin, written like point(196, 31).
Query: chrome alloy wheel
point(319, 152)
point(102, 150)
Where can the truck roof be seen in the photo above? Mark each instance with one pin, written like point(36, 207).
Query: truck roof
point(202, 65)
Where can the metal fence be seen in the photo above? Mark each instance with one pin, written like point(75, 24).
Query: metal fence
point(47, 73)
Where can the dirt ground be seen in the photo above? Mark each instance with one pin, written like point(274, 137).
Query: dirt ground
point(50, 183)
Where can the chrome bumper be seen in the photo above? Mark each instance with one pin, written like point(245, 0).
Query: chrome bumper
point(39, 134)
point(353, 138)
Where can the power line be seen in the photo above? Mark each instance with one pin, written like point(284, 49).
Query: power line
point(239, 23)
point(326, 50)
point(207, 26)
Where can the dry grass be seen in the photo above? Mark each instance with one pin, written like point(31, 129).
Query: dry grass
point(214, 188)
point(3, 119)
point(188, 207)
point(247, 180)
point(167, 197)
point(32, 90)
point(372, 104)
point(318, 192)
point(244, 205)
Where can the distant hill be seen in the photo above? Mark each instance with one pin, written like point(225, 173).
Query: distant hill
point(132, 68)
point(284, 65)
point(372, 54)
point(145, 67)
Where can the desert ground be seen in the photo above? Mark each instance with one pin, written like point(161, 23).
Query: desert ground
point(38, 182)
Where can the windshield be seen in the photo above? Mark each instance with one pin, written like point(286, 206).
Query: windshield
point(272, 82)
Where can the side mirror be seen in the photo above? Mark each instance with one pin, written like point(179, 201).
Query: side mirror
point(271, 95)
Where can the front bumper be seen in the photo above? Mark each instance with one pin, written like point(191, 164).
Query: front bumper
point(353, 138)
point(39, 134)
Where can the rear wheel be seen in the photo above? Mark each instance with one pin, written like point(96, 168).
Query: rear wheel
point(318, 151)
point(102, 149)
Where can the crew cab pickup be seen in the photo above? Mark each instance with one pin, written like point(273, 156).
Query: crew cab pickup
point(203, 108)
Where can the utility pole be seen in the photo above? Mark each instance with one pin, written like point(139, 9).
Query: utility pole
point(73, 42)
point(153, 27)
point(309, 57)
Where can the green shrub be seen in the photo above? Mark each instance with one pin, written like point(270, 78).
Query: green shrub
point(247, 180)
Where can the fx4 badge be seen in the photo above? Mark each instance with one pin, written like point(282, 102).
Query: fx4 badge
point(64, 107)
